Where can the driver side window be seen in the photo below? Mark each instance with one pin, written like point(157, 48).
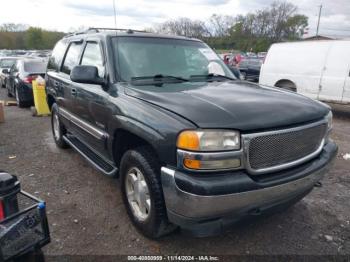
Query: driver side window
point(92, 56)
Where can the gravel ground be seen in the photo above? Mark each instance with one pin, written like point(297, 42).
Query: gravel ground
point(87, 216)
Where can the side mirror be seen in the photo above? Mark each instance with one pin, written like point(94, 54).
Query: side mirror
point(5, 71)
point(86, 75)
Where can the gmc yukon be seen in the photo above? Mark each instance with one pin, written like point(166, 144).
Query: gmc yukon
point(194, 147)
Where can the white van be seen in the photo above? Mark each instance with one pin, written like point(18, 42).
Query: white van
point(317, 69)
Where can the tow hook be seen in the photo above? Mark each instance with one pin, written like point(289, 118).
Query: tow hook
point(318, 184)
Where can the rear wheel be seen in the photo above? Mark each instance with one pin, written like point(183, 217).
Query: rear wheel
point(142, 192)
point(58, 130)
point(9, 93)
point(20, 103)
point(34, 256)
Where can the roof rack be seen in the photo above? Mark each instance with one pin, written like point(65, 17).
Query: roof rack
point(128, 30)
point(99, 29)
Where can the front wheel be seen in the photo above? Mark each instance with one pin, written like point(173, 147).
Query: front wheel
point(142, 192)
point(58, 130)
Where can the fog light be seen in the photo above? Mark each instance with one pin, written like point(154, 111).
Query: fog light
point(192, 164)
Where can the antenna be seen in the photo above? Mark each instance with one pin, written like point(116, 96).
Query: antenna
point(115, 15)
point(318, 22)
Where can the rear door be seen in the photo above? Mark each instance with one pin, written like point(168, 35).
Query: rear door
point(346, 90)
point(335, 72)
point(91, 100)
point(63, 83)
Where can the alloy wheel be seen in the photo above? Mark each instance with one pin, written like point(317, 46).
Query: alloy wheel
point(137, 193)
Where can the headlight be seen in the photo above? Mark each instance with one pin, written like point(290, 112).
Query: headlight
point(209, 149)
point(329, 119)
point(209, 140)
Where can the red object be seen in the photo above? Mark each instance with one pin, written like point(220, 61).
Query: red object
point(238, 58)
point(2, 213)
point(29, 79)
point(226, 59)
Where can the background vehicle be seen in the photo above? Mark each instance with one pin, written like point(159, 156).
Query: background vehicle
point(21, 75)
point(250, 68)
point(311, 68)
point(5, 63)
point(262, 54)
point(193, 148)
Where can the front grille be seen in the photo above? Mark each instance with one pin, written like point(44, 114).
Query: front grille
point(282, 147)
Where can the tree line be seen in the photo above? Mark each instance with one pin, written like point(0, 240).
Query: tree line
point(251, 32)
point(254, 31)
point(19, 36)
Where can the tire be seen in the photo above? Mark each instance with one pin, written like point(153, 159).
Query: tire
point(287, 86)
point(9, 93)
point(58, 130)
point(20, 103)
point(34, 256)
point(155, 224)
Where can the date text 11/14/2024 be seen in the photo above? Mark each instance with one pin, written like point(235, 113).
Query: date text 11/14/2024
point(173, 258)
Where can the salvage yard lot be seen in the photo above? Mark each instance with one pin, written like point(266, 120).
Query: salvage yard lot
point(87, 217)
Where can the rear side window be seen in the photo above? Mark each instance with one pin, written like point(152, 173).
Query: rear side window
point(72, 57)
point(7, 63)
point(57, 56)
point(92, 56)
point(35, 67)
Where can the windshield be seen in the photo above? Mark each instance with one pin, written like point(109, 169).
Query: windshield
point(146, 56)
point(7, 63)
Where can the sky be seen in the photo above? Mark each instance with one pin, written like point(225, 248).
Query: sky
point(69, 15)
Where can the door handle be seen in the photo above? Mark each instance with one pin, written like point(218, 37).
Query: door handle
point(73, 92)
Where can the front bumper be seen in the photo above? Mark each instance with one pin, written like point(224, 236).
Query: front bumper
point(205, 214)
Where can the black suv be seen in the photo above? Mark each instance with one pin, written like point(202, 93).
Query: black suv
point(193, 146)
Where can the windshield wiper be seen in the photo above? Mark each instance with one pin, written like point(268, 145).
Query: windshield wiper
point(210, 77)
point(160, 79)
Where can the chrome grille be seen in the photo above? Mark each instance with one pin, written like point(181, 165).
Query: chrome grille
point(282, 147)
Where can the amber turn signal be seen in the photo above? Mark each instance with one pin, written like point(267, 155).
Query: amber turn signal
point(188, 140)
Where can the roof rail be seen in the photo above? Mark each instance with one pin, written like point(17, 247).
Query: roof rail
point(99, 29)
point(116, 29)
point(90, 30)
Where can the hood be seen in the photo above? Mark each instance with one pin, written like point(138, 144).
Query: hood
point(236, 105)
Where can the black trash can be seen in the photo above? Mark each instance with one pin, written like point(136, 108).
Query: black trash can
point(9, 188)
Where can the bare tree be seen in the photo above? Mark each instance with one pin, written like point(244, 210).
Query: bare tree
point(256, 30)
point(184, 27)
point(220, 25)
point(11, 27)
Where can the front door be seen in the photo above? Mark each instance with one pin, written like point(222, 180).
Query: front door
point(91, 101)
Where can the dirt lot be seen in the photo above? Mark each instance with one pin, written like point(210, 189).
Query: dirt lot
point(86, 214)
